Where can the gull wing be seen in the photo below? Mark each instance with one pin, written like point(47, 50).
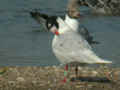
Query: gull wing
point(86, 34)
point(40, 18)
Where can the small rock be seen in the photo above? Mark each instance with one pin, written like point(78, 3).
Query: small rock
point(54, 67)
point(84, 72)
point(34, 82)
point(80, 68)
point(115, 75)
point(20, 79)
point(94, 73)
point(12, 83)
point(49, 89)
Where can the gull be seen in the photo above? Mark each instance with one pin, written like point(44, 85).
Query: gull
point(69, 45)
point(71, 21)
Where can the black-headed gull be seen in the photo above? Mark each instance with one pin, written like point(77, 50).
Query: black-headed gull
point(70, 46)
point(73, 22)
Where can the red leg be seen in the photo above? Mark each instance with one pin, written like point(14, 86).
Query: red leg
point(65, 73)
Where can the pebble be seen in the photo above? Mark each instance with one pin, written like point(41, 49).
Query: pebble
point(115, 75)
point(42, 84)
point(94, 73)
point(54, 80)
point(79, 86)
point(34, 82)
point(90, 86)
point(80, 68)
point(20, 79)
point(12, 83)
point(85, 71)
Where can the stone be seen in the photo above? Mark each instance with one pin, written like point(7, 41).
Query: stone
point(20, 79)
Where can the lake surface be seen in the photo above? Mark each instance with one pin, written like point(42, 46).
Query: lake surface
point(21, 44)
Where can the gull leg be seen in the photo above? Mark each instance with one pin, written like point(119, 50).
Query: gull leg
point(65, 73)
point(76, 71)
point(106, 72)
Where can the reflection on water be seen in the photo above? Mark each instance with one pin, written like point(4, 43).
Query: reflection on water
point(22, 44)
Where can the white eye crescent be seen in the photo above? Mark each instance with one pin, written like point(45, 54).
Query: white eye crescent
point(49, 24)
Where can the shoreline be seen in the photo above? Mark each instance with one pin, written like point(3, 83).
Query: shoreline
point(49, 78)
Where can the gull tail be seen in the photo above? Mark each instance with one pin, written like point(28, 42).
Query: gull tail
point(104, 62)
point(95, 59)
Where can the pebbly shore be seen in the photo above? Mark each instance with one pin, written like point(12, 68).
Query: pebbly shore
point(50, 78)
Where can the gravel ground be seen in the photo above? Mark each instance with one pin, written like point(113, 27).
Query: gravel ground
point(50, 78)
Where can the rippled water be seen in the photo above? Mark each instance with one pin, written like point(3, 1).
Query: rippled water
point(21, 44)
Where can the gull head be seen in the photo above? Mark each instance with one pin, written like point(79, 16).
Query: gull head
point(52, 25)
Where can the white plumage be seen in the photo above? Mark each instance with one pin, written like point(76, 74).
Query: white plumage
point(70, 46)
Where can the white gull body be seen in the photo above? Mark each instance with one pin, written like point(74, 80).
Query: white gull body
point(70, 46)
point(72, 23)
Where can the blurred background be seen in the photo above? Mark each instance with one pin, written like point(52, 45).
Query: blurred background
point(24, 42)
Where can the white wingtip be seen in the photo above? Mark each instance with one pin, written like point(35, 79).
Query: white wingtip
point(104, 62)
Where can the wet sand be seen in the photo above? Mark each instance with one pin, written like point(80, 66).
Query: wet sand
point(50, 78)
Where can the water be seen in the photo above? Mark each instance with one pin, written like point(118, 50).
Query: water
point(20, 44)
